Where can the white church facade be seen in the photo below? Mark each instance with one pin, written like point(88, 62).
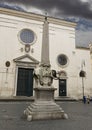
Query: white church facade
point(20, 53)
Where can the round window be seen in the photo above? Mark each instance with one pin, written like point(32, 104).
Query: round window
point(27, 36)
point(62, 60)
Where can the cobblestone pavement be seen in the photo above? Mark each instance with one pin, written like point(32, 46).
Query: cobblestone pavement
point(80, 117)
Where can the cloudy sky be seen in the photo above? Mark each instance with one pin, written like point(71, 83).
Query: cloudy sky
point(79, 11)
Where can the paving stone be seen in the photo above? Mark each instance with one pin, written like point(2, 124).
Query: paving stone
point(79, 117)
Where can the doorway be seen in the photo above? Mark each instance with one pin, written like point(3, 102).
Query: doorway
point(62, 87)
point(25, 82)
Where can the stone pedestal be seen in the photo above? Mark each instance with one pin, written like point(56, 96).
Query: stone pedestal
point(44, 106)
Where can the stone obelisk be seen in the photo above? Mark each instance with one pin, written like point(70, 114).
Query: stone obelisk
point(44, 106)
point(45, 44)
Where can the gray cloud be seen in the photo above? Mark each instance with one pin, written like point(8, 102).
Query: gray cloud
point(83, 38)
point(55, 7)
point(66, 7)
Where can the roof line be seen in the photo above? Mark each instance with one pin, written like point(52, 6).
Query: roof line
point(37, 17)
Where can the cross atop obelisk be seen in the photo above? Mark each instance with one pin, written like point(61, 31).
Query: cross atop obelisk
point(45, 44)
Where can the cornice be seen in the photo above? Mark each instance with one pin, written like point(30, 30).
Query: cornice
point(21, 14)
point(61, 22)
point(37, 17)
point(83, 48)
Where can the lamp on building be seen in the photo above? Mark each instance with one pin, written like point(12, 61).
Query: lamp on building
point(82, 74)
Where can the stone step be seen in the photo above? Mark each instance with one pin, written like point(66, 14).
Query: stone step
point(64, 98)
point(25, 98)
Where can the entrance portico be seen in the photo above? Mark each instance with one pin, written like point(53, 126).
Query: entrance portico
point(24, 75)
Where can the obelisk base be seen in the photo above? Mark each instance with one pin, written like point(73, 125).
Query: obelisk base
point(44, 106)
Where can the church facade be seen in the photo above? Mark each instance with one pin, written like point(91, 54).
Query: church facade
point(20, 53)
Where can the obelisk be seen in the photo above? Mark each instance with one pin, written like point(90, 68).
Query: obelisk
point(45, 44)
point(44, 106)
